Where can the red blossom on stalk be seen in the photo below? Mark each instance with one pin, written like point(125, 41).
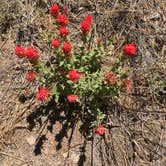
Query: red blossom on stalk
point(100, 130)
point(19, 51)
point(63, 31)
point(127, 84)
point(42, 94)
point(88, 18)
point(130, 49)
point(32, 54)
point(55, 43)
point(74, 75)
point(72, 98)
point(67, 48)
point(86, 24)
point(30, 76)
point(62, 20)
point(110, 78)
point(54, 10)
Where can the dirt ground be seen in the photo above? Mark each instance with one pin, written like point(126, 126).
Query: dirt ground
point(35, 134)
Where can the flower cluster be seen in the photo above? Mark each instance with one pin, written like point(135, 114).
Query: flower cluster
point(130, 49)
point(77, 75)
point(54, 10)
point(74, 75)
point(63, 31)
point(55, 43)
point(86, 24)
point(30, 76)
point(62, 20)
point(127, 84)
point(110, 78)
point(19, 51)
point(100, 130)
point(72, 98)
point(30, 53)
point(42, 94)
point(67, 48)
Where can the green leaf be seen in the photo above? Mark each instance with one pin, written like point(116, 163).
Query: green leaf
point(69, 82)
point(55, 93)
point(54, 90)
point(61, 63)
point(124, 76)
point(117, 64)
point(56, 98)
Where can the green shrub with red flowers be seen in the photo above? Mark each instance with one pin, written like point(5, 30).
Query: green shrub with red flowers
point(77, 74)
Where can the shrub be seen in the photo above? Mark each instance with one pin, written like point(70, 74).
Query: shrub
point(78, 75)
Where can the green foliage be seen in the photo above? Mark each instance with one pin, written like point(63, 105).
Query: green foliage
point(92, 84)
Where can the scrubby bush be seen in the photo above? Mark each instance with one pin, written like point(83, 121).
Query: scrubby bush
point(78, 75)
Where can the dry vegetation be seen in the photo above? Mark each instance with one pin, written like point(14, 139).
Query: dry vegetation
point(137, 121)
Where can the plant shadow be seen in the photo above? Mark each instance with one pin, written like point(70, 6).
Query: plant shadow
point(47, 115)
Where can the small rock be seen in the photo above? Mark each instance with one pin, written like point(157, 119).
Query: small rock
point(155, 16)
point(75, 157)
point(65, 154)
point(31, 140)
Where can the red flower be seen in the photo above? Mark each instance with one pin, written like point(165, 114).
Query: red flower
point(55, 43)
point(72, 98)
point(63, 31)
point(62, 20)
point(74, 75)
point(42, 94)
point(110, 78)
point(67, 48)
point(30, 76)
point(100, 130)
point(86, 24)
point(54, 10)
point(127, 83)
point(88, 18)
point(130, 49)
point(19, 51)
point(32, 54)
